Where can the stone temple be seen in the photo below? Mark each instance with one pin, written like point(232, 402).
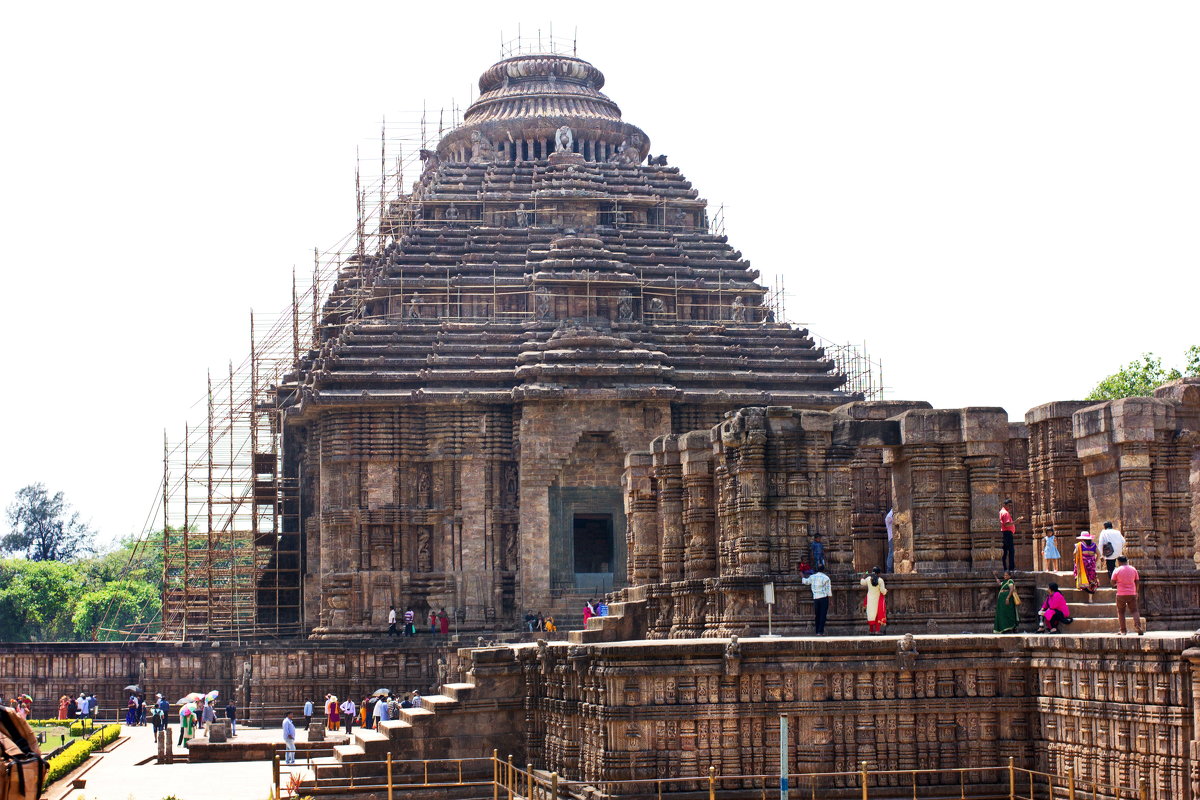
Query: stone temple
point(554, 382)
point(549, 303)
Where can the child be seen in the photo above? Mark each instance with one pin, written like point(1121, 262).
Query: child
point(1050, 554)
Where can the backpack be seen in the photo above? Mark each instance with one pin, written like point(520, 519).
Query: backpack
point(22, 769)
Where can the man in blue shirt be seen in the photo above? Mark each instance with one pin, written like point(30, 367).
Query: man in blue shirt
point(308, 712)
point(818, 551)
point(289, 738)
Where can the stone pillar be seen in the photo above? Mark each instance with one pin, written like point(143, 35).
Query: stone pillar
point(985, 435)
point(1115, 441)
point(669, 479)
point(746, 432)
point(699, 513)
point(641, 535)
point(1058, 504)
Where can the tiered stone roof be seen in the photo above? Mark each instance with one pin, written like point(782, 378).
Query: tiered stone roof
point(566, 267)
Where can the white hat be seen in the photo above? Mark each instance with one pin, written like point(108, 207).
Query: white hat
point(1084, 535)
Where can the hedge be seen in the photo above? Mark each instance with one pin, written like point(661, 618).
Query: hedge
point(78, 752)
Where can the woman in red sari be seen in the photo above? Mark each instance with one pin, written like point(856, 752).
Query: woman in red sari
point(1085, 564)
point(874, 603)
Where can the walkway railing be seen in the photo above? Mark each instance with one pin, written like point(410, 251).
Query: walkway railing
point(508, 781)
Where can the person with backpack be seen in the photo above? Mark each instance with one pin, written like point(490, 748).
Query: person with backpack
point(22, 768)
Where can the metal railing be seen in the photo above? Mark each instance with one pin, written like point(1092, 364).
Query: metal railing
point(509, 781)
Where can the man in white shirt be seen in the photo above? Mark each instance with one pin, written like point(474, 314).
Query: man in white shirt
point(1112, 547)
point(822, 590)
point(392, 622)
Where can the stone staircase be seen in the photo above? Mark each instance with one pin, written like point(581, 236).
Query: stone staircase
point(1094, 614)
point(459, 722)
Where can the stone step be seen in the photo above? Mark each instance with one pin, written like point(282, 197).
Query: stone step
point(349, 752)
point(458, 691)
point(438, 703)
point(411, 715)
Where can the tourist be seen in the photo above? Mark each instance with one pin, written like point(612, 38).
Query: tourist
point(364, 712)
point(541, 622)
point(163, 706)
point(444, 622)
point(141, 709)
point(416, 699)
point(1112, 545)
point(81, 705)
point(131, 711)
point(530, 621)
point(289, 738)
point(822, 590)
point(551, 626)
point(1050, 554)
point(210, 715)
point(410, 623)
point(93, 707)
point(157, 721)
point(818, 552)
point(1007, 604)
point(1085, 564)
point(231, 715)
point(380, 711)
point(1125, 578)
point(73, 708)
point(349, 710)
point(1008, 530)
point(889, 520)
point(308, 713)
point(1054, 611)
point(589, 611)
point(433, 622)
point(407, 701)
point(874, 603)
point(392, 622)
point(64, 706)
point(602, 609)
point(187, 725)
point(332, 713)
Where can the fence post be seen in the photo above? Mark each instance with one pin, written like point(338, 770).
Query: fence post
point(1143, 790)
point(712, 783)
point(863, 777)
point(1071, 782)
point(529, 781)
point(460, 770)
point(554, 785)
point(1012, 780)
point(275, 774)
point(509, 779)
point(426, 765)
point(495, 775)
point(389, 771)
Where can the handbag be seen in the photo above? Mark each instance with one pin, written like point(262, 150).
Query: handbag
point(1016, 598)
point(1107, 550)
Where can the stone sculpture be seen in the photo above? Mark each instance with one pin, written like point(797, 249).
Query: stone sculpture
point(564, 140)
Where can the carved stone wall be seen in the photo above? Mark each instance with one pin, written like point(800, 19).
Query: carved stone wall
point(661, 709)
point(1059, 492)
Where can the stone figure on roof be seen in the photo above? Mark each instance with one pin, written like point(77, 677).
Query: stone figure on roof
point(522, 216)
point(451, 212)
point(414, 307)
point(564, 140)
point(625, 306)
point(543, 302)
point(430, 160)
point(618, 218)
point(737, 311)
point(657, 306)
point(482, 150)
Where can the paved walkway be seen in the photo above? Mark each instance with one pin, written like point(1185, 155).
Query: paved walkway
point(117, 776)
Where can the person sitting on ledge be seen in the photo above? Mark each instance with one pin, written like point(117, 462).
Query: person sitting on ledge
point(1054, 611)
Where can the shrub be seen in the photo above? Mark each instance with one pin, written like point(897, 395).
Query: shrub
point(66, 761)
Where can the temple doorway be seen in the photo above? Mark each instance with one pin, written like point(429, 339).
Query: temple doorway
point(593, 540)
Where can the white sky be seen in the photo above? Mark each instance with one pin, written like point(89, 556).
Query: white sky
point(1000, 199)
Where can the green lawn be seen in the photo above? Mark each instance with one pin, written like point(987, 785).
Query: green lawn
point(55, 735)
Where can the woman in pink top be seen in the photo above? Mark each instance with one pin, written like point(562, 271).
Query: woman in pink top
point(1054, 611)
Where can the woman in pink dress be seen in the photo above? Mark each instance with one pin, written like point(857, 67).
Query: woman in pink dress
point(589, 611)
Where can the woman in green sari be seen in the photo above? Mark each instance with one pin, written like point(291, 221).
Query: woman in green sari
point(1007, 603)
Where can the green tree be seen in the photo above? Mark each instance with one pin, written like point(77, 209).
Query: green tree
point(43, 527)
point(130, 559)
point(1141, 377)
point(37, 600)
point(116, 606)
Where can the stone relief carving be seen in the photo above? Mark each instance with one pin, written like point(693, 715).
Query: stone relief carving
point(564, 140)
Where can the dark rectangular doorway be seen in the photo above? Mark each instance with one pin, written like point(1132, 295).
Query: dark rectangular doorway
point(593, 543)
